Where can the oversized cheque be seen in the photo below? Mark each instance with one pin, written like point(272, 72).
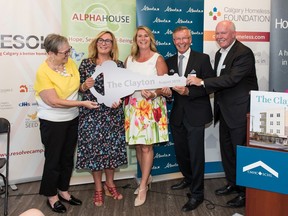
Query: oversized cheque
point(120, 82)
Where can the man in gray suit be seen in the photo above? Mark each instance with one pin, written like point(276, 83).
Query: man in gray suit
point(235, 66)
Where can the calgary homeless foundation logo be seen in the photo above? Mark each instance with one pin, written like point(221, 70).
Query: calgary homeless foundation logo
point(215, 13)
point(260, 169)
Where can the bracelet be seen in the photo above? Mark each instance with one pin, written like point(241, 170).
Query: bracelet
point(83, 88)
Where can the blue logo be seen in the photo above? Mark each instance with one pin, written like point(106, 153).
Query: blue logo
point(262, 169)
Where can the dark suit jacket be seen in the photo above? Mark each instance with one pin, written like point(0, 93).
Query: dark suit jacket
point(232, 88)
point(196, 107)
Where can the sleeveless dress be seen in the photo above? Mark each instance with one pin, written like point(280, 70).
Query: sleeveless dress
point(101, 134)
point(145, 119)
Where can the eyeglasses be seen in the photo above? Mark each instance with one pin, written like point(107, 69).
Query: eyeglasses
point(106, 41)
point(67, 52)
point(181, 39)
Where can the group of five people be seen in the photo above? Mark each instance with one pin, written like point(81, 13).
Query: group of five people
point(140, 119)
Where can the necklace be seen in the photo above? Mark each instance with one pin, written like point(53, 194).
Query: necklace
point(63, 72)
point(60, 69)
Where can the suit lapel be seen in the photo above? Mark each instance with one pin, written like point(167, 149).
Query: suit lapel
point(174, 65)
point(189, 63)
point(217, 59)
point(230, 53)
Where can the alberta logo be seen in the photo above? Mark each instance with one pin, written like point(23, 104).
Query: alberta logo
point(261, 169)
point(215, 13)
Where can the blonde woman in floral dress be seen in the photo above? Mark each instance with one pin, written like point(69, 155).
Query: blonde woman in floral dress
point(145, 110)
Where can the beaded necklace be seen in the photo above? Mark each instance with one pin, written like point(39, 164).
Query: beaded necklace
point(63, 72)
point(60, 69)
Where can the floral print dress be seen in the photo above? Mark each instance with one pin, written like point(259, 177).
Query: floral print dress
point(145, 119)
point(101, 135)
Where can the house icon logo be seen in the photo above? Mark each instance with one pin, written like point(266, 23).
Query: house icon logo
point(254, 169)
point(262, 169)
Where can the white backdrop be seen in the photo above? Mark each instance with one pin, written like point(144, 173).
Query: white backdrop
point(23, 28)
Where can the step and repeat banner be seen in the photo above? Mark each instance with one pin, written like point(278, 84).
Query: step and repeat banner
point(252, 20)
point(279, 47)
point(21, 52)
point(81, 22)
point(162, 18)
point(24, 25)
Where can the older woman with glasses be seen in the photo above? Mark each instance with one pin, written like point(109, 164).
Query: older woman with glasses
point(101, 137)
point(56, 86)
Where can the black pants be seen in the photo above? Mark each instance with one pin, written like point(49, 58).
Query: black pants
point(59, 140)
point(189, 149)
point(229, 139)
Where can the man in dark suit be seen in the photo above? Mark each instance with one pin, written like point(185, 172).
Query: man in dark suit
point(190, 112)
point(235, 64)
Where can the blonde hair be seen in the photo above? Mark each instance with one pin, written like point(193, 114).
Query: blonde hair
point(135, 48)
point(93, 51)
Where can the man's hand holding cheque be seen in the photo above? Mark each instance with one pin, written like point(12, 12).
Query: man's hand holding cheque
point(182, 90)
point(193, 80)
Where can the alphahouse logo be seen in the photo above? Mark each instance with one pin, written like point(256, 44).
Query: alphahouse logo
point(260, 169)
point(98, 16)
